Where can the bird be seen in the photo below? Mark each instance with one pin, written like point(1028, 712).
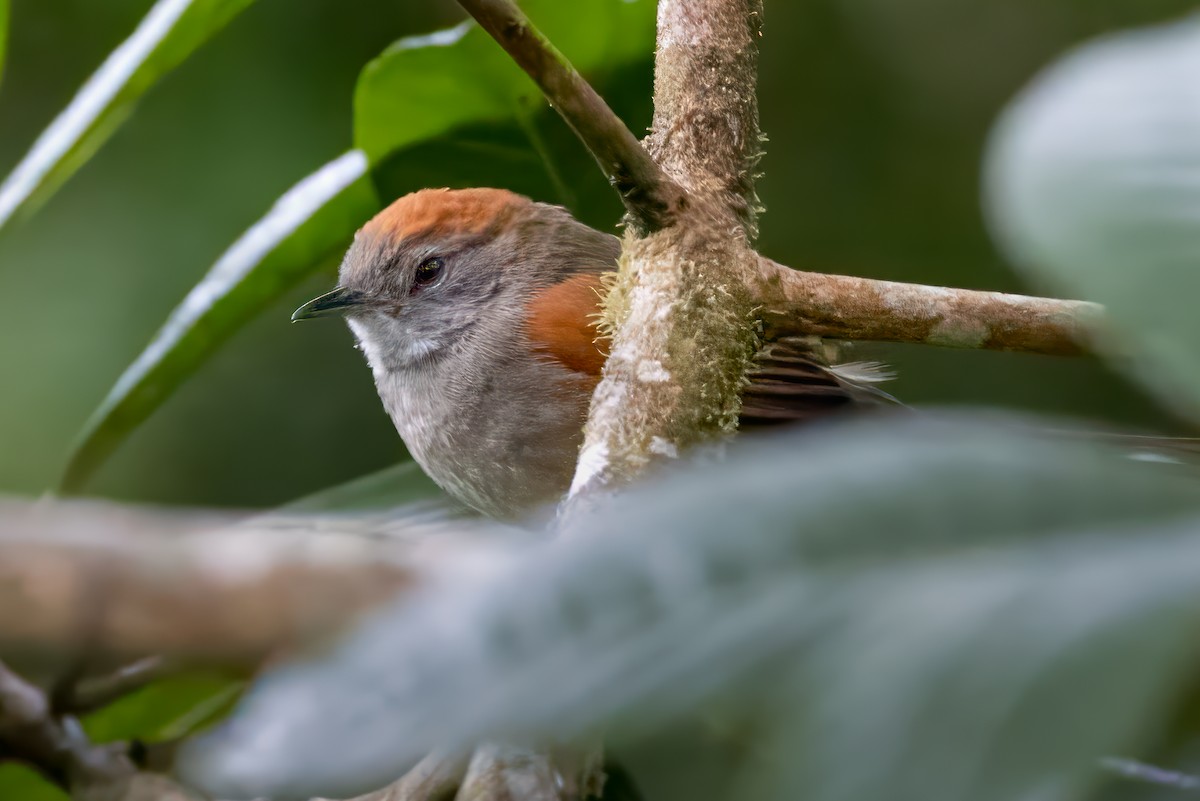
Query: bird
point(476, 311)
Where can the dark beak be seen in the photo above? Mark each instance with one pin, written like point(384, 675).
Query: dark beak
point(339, 301)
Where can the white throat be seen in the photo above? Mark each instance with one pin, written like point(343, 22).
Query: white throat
point(387, 344)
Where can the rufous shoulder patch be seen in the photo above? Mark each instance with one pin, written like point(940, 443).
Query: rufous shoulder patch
point(453, 211)
point(562, 324)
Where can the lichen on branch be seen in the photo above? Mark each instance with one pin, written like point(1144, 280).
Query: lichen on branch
point(683, 333)
point(681, 314)
point(846, 307)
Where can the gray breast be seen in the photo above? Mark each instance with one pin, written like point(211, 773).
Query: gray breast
point(502, 439)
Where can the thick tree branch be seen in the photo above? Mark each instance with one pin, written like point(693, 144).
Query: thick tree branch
point(845, 307)
point(705, 132)
point(435, 778)
point(681, 311)
point(503, 772)
point(101, 583)
point(113, 585)
point(652, 199)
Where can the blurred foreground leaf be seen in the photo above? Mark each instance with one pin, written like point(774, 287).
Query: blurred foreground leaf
point(310, 223)
point(909, 606)
point(167, 709)
point(1093, 182)
point(167, 35)
point(20, 782)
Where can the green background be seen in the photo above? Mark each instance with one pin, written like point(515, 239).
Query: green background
point(877, 114)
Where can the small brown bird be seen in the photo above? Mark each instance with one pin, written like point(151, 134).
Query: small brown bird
point(475, 309)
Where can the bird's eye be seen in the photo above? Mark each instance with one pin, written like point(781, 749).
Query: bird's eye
point(428, 271)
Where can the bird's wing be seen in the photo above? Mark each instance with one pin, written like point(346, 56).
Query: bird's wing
point(790, 383)
point(561, 324)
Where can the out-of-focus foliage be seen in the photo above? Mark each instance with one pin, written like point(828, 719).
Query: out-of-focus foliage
point(3, 33)
point(420, 89)
point(165, 710)
point(307, 225)
point(169, 34)
point(18, 781)
point(908, 594)
point(1094, 186)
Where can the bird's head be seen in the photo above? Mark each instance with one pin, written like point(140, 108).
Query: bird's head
point(438, 265)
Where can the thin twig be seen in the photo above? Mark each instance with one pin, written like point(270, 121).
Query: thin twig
point(846, 307)
point(652, 199)
point(55, 746)
point(91, 694)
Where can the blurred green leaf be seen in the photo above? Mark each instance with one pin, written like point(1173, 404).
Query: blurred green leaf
point(166, 709)
point(308, 224)
point(993, 675)
point(20, 782)
point(3, 34)
point(891, 560)
point(423, 86)
point(1092, 185)
point(167, 35)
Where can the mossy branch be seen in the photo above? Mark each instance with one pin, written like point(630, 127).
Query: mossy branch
point(682, 311)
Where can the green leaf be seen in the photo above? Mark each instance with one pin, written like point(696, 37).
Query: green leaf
point(168, 708)
point(1092, 188)
point(904, 602)
point(18, 781)
point(390, 488)
point(423, 86)
point(311, 222)
point(170, 33)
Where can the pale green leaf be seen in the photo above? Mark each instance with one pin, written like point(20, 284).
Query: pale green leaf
point(170, 33)
point(424, 86)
